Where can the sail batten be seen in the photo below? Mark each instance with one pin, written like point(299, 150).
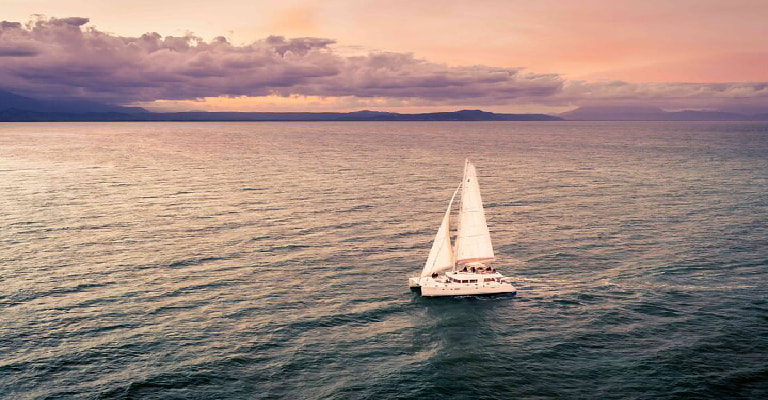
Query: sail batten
point(473, 242)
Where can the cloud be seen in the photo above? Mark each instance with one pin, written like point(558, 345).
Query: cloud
point(60, 57)
point(744, 96)
point(18, 51)
point(64, 57)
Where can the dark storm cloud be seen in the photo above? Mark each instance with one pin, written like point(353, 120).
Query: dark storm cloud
point(60, 57)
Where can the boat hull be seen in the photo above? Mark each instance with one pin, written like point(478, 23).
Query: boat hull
point(466, 290)
point(430, 287)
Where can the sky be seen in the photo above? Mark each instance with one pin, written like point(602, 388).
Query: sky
point(333, 55)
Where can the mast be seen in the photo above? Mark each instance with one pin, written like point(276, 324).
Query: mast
point(473, 242)
point(461, 209)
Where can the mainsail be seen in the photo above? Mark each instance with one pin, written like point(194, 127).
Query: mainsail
point(441, 255)
point(473, 243)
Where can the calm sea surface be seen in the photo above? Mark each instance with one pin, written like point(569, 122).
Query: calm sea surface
point(270, 260)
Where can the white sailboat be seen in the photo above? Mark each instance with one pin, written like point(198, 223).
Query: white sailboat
point(464, 268)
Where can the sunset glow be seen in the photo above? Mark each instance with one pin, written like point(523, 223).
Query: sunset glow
point(340, 55)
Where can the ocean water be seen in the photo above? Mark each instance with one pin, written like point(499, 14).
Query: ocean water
point(270, 260)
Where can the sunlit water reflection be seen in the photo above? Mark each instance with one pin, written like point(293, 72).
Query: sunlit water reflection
point(263, 260)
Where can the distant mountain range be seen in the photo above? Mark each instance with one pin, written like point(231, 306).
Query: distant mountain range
point(11, 101)
point(19, 108)
point(14, 107)
point(632, 113)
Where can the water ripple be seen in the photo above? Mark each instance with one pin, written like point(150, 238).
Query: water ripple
point(269, 260)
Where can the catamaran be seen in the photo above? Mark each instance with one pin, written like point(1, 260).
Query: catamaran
point(463, 264)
